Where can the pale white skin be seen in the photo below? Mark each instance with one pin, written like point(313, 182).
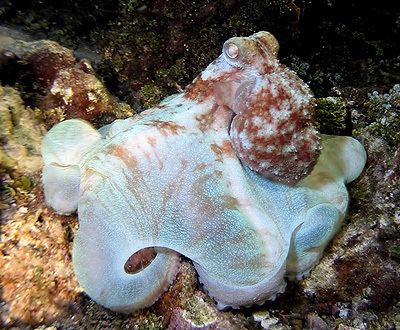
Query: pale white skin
point(170, 179)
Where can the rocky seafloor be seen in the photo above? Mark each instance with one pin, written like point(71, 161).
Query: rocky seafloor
point(121, 57)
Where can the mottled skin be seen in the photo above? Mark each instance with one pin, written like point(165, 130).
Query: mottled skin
point(272, 132)
point(176, 178)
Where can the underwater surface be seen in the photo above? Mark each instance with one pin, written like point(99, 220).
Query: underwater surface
point(108, 60)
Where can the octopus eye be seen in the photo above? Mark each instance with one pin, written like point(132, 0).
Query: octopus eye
point(232, 50)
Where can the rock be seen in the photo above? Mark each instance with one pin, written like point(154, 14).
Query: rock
point(360, 272)
point(63, 87)
point(267, 321)
point(316, 323)
point(180, 320)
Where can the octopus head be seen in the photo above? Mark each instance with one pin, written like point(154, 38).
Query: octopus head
point(272, 131)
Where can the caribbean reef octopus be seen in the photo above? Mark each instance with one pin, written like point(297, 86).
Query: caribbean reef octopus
point(230, 173)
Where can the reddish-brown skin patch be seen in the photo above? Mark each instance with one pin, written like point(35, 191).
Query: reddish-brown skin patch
point(272, 132)
point(206, 120)
point(151, 141)
point(184, 164)
point(199, 90)
point(266, 67)
point(127, 158)
point(167, 127)
point(287, 152)
point(139, 260)
point(200, 167)
point(231, 202)
point(222, 151)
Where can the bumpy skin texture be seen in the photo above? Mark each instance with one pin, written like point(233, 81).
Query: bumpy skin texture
point(272, 132)
point(177, 178)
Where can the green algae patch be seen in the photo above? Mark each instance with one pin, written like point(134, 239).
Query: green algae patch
point(331, 115)
point(24, 183)
point(394, 252)
point(150, 95)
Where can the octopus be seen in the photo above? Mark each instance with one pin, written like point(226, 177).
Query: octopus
point(230, 173)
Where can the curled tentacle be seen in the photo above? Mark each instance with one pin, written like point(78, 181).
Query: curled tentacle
point(63, 150)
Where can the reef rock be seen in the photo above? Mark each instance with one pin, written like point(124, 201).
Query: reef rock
point(64, 87)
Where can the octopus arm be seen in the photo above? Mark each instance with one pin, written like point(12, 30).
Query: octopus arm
point(341, 161)
point(64, 149)
point(240, 256)
point(101, 249)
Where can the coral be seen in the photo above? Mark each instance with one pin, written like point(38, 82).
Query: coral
point(184, 305)
point(20, 134)
point(36, 278)
point(171, 178)
point(78, 93)
point(380, 116)
point(45, 59)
